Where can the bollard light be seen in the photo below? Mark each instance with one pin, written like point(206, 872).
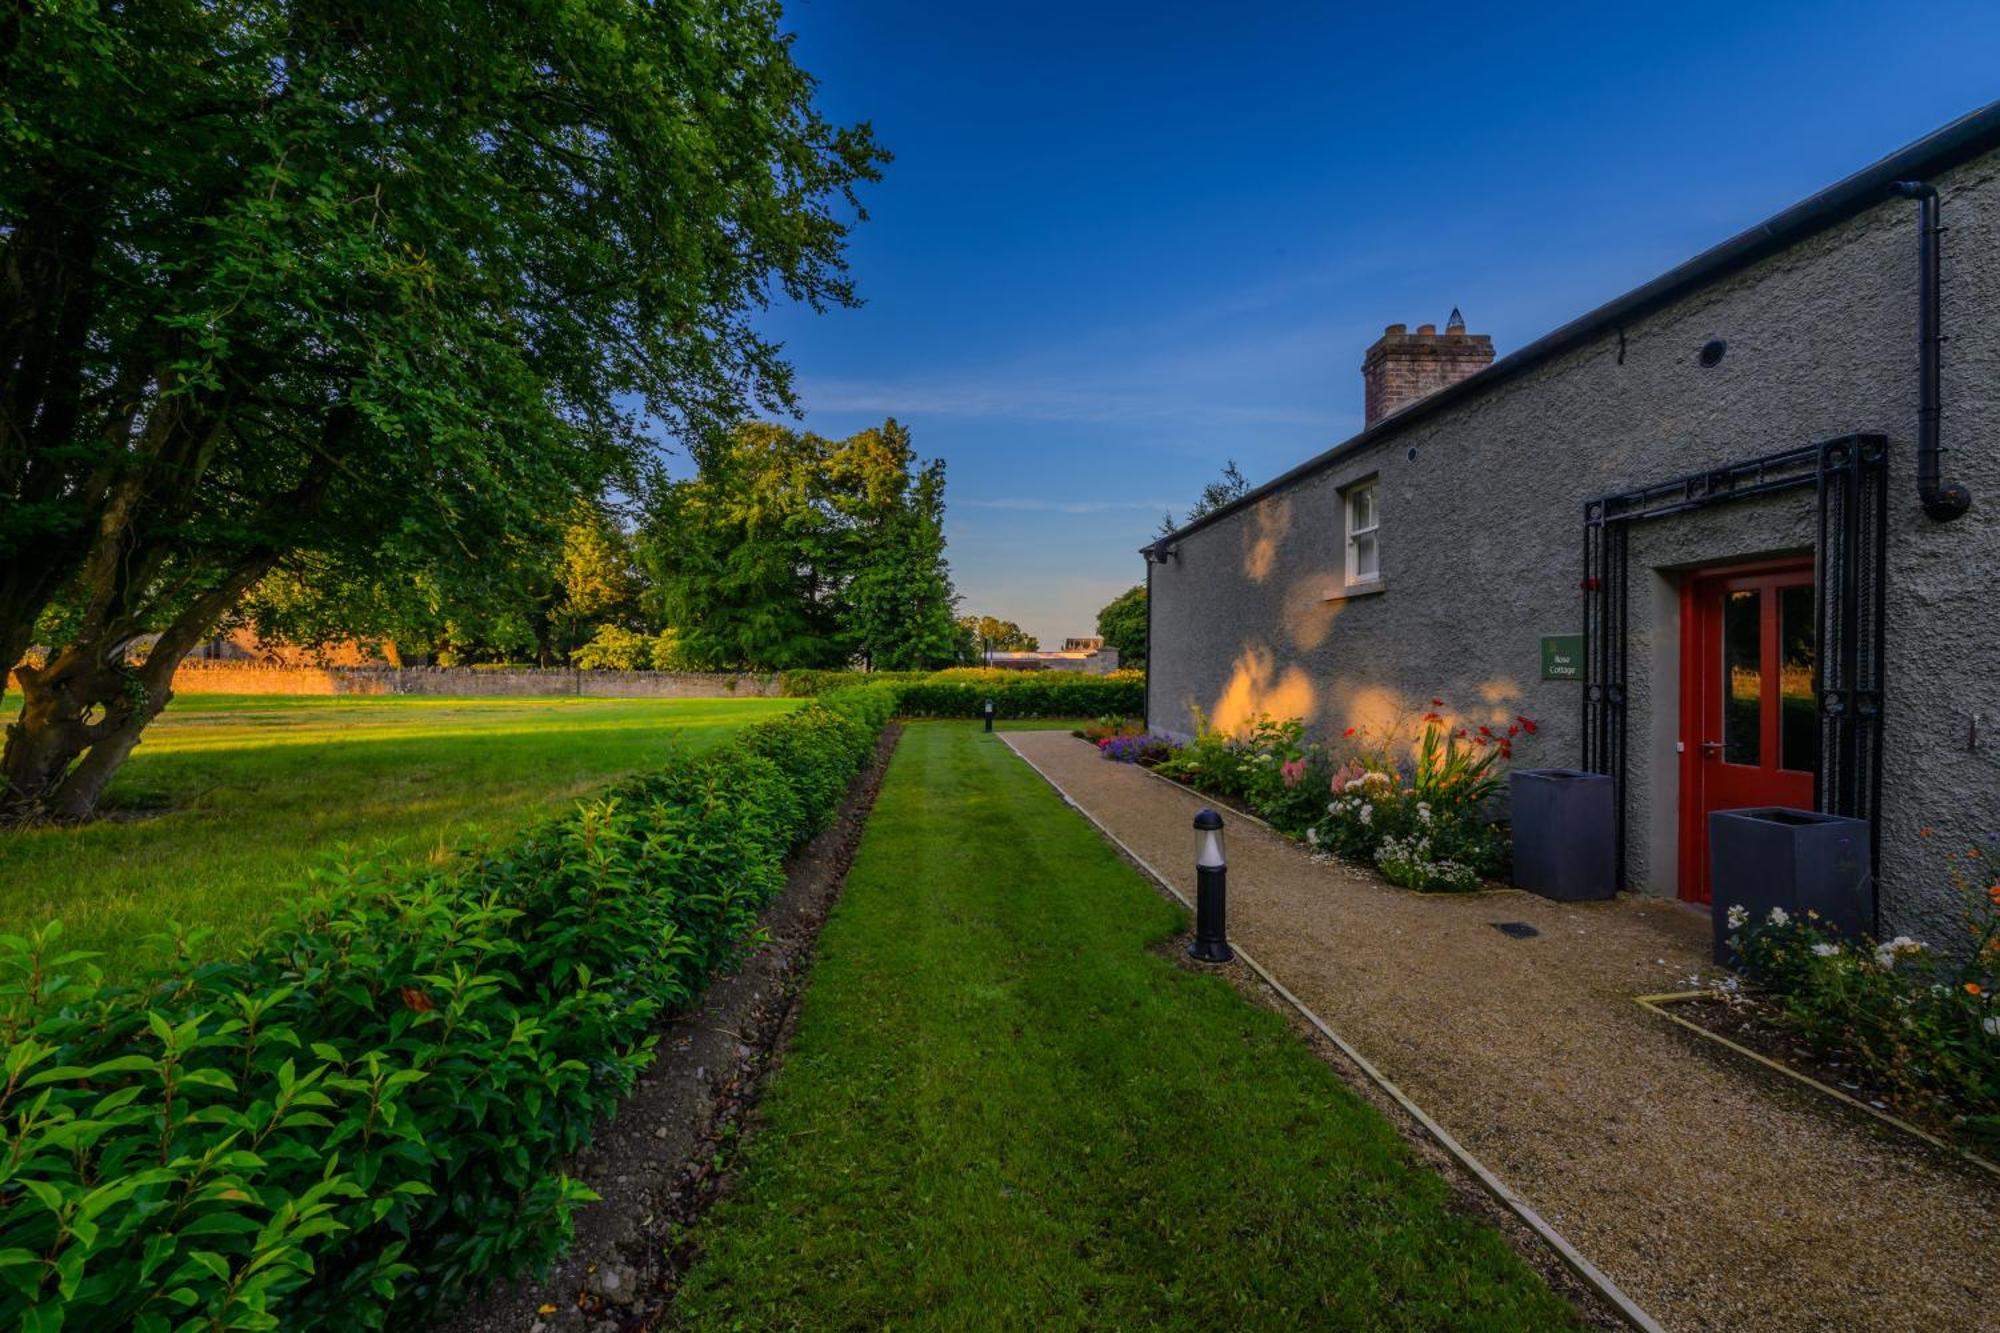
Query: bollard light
point(1211, 896)
point(986, 710)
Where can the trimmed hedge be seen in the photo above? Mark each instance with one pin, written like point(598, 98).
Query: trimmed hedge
point(1027, 694)
point(963, 691)
point(810, 683)
point(366, 1116)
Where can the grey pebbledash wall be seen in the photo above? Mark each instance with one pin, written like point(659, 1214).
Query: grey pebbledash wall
point(1481, 506)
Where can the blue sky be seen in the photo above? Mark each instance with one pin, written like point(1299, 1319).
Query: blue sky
point(1122, 243)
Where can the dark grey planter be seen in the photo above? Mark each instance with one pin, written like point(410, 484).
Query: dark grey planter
point(1802, 861)
point(1563, 833)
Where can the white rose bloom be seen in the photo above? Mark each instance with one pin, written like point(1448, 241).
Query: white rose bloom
point(1737, 916)
point(1825, 950)
point(1778, 917)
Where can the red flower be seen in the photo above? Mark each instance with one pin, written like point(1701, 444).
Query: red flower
point(1461, 733)
point(1437, 703)
point(1526, 725)
point(1348, 732)
point(1514, 730)
point(1432, 717)
point(1486, 731)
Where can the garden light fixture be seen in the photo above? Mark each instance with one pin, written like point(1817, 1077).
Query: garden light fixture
point(1211, 874)
point(986, 711)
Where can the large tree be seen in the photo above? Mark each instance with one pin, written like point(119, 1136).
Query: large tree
point(788, 549)
point(290, 284)
point(1002, 636)
point(1227, 489)
point(1122, 625)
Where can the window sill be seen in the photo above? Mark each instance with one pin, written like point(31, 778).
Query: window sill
point(1350, 591)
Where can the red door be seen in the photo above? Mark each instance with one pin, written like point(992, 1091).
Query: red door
point(1749, 717)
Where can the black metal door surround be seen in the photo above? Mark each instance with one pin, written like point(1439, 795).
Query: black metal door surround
point(1850, 477)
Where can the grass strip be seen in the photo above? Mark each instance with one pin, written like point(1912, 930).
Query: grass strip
point(1002, 1108)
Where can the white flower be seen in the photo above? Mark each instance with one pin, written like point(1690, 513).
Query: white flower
point(1778, 917)
point(1992, 1026)
point(1368, 814)
point(1826, 950)
point(1312, 836)
point(1737, 917)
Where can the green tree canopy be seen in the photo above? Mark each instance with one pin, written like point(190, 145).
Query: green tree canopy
point(1230, 487)
point(288, 286)
point(1122, 625)
point(1002, 636)
point(789, 550)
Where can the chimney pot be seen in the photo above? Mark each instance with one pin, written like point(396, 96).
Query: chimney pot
point(1403, 367)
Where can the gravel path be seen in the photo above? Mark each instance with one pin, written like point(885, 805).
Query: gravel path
point(1716, 1195)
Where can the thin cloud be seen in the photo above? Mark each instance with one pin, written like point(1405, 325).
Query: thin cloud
point(1033, 398)
point(1021, 505)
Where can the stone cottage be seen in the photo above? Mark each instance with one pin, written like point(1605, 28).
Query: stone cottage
point(1732, 539)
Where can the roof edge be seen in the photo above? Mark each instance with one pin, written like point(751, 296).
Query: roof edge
point(1971, 135)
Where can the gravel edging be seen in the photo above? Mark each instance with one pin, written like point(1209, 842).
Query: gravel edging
point(1716, 1194)
point(661, 1160)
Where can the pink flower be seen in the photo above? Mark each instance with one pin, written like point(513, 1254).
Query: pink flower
point(1292, 770)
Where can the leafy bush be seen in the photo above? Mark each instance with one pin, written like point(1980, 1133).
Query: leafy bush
point(1411, 801)
point(1103, 728)
point(614, 648)
point(1148, 749)
point(1921, 1021)
point(366, 1115)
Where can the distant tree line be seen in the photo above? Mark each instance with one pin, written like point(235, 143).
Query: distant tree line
point(782, 550)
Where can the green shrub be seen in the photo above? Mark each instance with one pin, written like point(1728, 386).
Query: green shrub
point(1026, 694)
point(810, 683)
point(614, 648)
point(1922, 1022)
point(366, 1115)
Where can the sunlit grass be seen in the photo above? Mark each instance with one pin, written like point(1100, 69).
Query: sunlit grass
point(230, 800)
point(1002, 1109)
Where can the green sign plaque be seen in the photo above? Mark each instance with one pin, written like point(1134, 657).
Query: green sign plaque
point(1562, 657)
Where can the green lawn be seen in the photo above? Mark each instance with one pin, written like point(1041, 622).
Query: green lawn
point(229, 800)
point(1004, 1110)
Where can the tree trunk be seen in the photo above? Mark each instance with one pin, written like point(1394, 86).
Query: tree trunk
point(82, 714)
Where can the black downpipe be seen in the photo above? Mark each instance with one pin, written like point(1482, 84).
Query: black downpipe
point(1943, 501)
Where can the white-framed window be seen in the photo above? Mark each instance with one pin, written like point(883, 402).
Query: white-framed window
point(1364, 538)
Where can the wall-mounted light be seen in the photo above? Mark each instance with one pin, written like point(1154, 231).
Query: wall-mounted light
point(1159, 555)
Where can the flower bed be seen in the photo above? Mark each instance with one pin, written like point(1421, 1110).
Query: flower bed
point(1918, 1021)
point(1410, 799)
point(365, 1116)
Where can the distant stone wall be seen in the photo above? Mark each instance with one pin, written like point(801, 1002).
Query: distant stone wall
point(199, 677)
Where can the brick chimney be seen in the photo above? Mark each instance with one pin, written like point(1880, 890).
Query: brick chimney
point(1402, 366)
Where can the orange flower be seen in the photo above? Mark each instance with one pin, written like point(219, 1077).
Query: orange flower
point(1972, 988)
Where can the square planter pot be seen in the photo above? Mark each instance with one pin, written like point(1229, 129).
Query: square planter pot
point(1563, 833)
point(1800, 860)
